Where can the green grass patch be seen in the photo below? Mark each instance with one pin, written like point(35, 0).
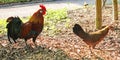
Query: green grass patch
point(3, 26)
point(55, 21)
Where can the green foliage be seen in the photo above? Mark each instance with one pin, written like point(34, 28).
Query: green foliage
point(2, 26)
point(11, 1)
point(56, 14)
point(55, 21)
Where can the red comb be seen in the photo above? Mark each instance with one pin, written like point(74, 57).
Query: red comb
point(43, 7)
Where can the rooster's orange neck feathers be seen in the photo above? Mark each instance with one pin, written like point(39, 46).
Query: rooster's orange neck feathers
point(38, 15)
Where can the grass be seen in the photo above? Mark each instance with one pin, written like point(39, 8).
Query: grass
point(53, 21)
point(2, 26)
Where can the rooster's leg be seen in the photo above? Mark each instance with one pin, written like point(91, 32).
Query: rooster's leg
point(26, 42)
point(34, 38)
point(9, 40)
point(14, 40)
point(9, 37)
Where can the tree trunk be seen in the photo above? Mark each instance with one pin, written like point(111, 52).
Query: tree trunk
point(98, 14)
point(115, 9)
point(104, 2)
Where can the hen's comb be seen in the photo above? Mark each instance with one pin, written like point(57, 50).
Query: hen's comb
point(43, 7)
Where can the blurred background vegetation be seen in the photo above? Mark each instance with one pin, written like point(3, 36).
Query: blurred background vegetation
point(17, 1)
point(12, 1)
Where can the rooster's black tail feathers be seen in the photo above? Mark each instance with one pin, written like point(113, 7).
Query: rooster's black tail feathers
point(14, 27)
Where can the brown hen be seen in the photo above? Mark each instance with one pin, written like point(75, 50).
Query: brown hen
point(93, 38)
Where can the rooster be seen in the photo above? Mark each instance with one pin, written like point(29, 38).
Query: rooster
point(31, 29)
point(93, 38)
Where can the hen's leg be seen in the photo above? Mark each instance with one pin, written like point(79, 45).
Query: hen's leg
point(96, 48)
point(90, 49)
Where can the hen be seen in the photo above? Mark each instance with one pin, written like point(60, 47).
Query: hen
point(93, 38)
point(31, 29)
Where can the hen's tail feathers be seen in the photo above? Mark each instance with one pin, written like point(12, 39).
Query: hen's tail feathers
point(77, 29)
